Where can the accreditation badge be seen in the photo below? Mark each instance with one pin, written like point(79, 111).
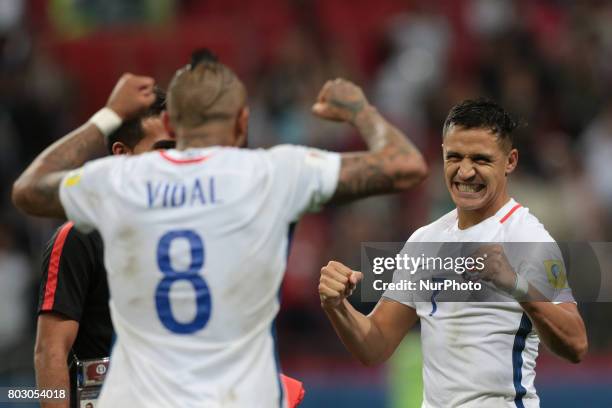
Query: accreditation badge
point(90, 377)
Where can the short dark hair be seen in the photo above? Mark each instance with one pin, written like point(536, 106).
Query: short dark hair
point(483, 113)
point(131, 131)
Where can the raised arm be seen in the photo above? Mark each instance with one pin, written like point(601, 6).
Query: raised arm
point(391, 164)
point(36, 191)
point(372, 339)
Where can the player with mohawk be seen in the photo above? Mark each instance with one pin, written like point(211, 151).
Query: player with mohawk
point(196, 238)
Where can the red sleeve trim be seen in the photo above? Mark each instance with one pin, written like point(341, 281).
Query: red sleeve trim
point(54, 262)
point(512, 210)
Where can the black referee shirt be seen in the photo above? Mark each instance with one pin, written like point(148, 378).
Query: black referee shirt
point(74, 285)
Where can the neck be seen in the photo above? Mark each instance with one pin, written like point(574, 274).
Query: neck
point(469, 218)
point(204, 136)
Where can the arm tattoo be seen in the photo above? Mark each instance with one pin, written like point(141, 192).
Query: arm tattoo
point(392, 163)
point(353, 107)
point(43, 197)
point(36, 191)
point(360, 176)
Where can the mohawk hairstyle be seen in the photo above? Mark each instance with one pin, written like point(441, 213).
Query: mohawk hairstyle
point(203, 91)
point(482, 113)
point(202, 55)
point(131, 131)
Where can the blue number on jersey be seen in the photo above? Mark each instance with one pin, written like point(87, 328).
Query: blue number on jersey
point(162, 294)
point(434, 305)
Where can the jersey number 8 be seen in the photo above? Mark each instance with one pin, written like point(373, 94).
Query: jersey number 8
point(191, 275)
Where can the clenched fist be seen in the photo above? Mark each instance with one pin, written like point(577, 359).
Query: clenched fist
point(340, 100)
point(132, 94)
point(337, 283)
point(497, 268)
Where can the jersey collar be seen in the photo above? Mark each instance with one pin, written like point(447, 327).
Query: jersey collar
point(189, 156)
point(499, 217)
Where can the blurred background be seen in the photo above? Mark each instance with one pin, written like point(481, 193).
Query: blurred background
point(548, 61)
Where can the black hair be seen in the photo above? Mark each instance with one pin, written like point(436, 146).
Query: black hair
point(203, 55)
point(482, 113)
point(131, 131)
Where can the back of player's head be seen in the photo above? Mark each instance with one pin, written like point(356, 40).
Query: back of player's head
point(204, 91)
point(131, 132)
point(482, 113)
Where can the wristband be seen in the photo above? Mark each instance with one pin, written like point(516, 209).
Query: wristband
point(106, 120)
point(521, 288)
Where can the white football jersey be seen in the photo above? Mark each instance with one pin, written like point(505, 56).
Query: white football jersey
point(483, 354)
point(195, 247)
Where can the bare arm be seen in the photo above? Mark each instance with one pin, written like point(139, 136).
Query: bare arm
point(559, 325)
point(54, 339)
point(372, 339)
point(560, 328)
point(36, 191)
point(391, 164)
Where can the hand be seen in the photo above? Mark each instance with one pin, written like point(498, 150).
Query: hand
point(497, 268)
point(340, 100)
point(337, 283)
point(132, 94)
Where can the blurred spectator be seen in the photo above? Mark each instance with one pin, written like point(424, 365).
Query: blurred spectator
point(79, 17)
point(15, 305)
point(597, 148)
point(419, 43)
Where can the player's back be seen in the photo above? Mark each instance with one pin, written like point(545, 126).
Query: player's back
point(195, 248)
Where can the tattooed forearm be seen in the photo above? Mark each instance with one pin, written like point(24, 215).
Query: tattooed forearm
point(43, 198)
point(361, 175)
point(392, 163)
point(378, 133)
point(353, 107)
point(36, 191)
point(73, 150)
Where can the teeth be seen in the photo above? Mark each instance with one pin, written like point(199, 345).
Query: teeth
point(468, 188)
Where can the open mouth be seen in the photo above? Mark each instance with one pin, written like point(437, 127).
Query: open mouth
point(468, 187)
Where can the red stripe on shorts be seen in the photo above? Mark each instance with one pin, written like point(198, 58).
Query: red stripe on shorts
point(512, 210)
point(54, 261)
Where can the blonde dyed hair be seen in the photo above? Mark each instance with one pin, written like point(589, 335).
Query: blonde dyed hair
point(202, 92)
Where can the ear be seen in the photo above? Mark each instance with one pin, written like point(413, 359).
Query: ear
point(120, 148)
point(167, 125)
point(242, 127)
point(511, 161)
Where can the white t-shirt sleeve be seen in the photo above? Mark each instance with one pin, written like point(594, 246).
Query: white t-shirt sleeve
point(84, 192)
point(406, 297)
point(544, 268)
point(311, 176)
